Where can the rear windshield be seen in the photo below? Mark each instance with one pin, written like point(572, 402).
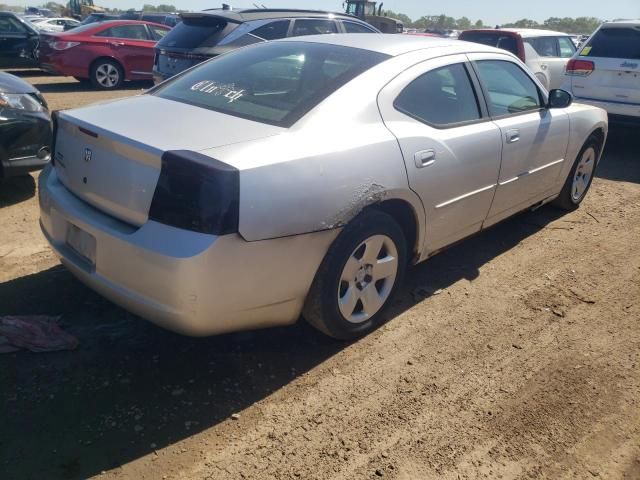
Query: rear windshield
point(492, 39)
point(195, 32)
point(275, 83)
point(615, 42)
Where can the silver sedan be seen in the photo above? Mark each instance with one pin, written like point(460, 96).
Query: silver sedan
point(302, 177)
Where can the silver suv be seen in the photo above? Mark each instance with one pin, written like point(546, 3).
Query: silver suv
point(605, 72)
point(206, 34)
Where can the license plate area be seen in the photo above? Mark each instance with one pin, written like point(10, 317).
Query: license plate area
point(82, 243)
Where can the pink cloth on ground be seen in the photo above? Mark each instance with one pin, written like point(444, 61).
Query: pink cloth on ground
point(37, 333)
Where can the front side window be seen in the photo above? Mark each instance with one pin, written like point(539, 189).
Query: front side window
point(272, 30)
point(272, 82)
point(353, 27)
point(614, 42)
point(544, 46)
point(133, 32)
point(566, 46)
point(314, 27)
point(510, 91)
point(440, 97)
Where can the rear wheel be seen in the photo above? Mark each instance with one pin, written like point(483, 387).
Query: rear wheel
point(358, 277)
point(579, 180)
point(106, 74)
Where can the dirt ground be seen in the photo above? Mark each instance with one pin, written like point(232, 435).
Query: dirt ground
point(515, 354)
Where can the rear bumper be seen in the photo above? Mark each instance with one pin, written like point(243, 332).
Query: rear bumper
point(159, 77)
point(191, 283)
point(618, 111)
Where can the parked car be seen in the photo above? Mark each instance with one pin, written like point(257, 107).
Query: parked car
point(606, 71)
point(18, 42)
point(204, 35)
point(304, 175)
point(25, 127)
point(106, 53)
point(545, 52)
point(170, 19)
point(56, 24)
point(36, 11)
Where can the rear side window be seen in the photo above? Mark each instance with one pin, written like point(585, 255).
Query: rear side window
point(133, 32)
point(544, 46)
point(617, 42)
point(352, 27)
point(440, 97)
point(510, 91)
point(567, 47)
point(272, 82)
point(313, 27)
point(195, 32)
point(272, 30)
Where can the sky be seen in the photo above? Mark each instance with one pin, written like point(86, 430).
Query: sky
point(491, 11)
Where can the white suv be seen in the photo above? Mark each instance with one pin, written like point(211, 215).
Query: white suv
point(606, 71)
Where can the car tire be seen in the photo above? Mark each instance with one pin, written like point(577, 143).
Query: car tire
point(358, 277)
point(579, 180)
point(106, 74)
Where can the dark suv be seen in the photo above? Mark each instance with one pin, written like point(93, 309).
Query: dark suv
point(205, 34)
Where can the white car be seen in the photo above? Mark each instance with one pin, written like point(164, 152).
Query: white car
point(546, 53)
point(606, 71)
point(304, 175)
point(60, 24)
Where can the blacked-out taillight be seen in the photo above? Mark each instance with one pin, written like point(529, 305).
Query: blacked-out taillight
point(196, 193)
point(54, 135)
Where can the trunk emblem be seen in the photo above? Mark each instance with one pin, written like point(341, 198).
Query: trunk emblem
point(87, 154)
point(629, 65)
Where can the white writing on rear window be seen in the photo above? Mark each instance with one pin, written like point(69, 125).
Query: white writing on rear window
point(219, 89)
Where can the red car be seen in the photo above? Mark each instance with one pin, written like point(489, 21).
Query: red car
point(106, 53)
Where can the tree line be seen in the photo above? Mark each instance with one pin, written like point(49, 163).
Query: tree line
point(443, 22)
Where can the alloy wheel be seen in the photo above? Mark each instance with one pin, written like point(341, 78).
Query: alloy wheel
point(583, 173)
point(367, 278)
point(107, 75)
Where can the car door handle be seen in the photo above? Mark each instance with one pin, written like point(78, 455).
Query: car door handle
point(117, 44)
point(512, 136)
point(424, 158)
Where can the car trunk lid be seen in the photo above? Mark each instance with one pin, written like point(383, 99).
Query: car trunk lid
point(112, 161)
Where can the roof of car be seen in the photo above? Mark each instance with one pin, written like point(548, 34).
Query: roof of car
point(246, 15)
point(622, 23)
point(533, 32)
point(395, 45)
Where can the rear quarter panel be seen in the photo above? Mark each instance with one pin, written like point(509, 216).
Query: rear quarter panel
point(318, 175)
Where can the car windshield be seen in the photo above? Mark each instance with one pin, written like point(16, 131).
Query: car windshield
point(275, 83)
point(617, 42)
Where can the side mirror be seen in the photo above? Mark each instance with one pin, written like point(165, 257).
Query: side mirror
point(559, 99)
